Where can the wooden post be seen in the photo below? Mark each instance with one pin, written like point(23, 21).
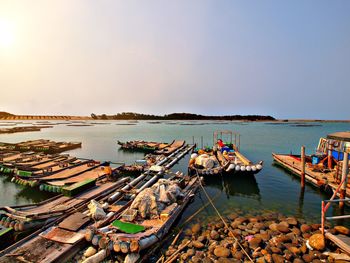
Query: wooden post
point(202, 141)
point(193, 140)
point(344, 178)
point(302, 176)
point(329, 159)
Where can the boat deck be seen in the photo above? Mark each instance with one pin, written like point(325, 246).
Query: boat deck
point(316, 178)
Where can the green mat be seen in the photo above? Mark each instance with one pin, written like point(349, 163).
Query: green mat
point(128, 228)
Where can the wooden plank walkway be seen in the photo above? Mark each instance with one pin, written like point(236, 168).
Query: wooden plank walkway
point(318, 179)
point(70, 172)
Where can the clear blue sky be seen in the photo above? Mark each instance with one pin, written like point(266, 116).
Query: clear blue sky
point(288, 59)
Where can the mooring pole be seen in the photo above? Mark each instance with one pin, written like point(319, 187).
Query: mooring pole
point(329, 159)
point(202, 141)
point(302, 176)
point(193, 140)
point(344, 178)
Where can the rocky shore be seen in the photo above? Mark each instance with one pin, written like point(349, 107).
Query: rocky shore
point(269, 237)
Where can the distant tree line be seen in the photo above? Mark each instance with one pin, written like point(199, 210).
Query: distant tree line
point(179, 116)
point(4, 114)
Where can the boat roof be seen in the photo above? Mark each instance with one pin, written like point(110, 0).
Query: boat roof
point(341, 136)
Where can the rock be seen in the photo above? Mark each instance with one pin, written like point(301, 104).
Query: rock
point(277, 258)
point(219, 225)
point(254, 242)
point(197, 244)
point(214, 235)
point(342, 230)
point(298, 260)
point(276, 250)
point(273, 227)
point(232, 217)
point(294, 250)
point(221, 252)
point(259, 226)
point(89, 252)
point(305, 228)
point(225, 260)
point(315, 226)
point(303, 248)
point(191, 252)
point(283, 227)
point(317, 241)
point(207, 260)
point(196, 259)
point(287, 255)
point(196, 228)
point(238, 255)
point(268, 258)
point(253, 220)
point(264, 236)
point(308, 257)
point(260, 260)
point(296, 231)
point(201, 238)
point(241, 220)
point(264, 251)
point(292, 221)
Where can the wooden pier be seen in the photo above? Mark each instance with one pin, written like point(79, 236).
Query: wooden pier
point(324, 181)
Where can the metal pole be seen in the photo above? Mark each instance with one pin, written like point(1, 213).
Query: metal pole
point(239, 142)
point(302, 176)
point(344, 178)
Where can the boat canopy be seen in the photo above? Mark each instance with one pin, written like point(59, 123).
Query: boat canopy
point(340, 136)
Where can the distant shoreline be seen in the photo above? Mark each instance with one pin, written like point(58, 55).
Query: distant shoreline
point(72, 118)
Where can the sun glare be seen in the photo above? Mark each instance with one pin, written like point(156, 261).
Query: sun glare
point(7, 36)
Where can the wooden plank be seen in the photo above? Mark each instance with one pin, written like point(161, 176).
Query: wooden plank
point(341, 241)
point(74, 222)
point(61, 235)
point(91, 174)
point(70, 172)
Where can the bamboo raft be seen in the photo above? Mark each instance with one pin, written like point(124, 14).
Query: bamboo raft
point(41, 145)
point(26, 217)
point(23, 129)
point(36, 248)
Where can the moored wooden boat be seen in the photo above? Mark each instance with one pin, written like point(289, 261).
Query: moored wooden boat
point(175, 145)
point(143, 145)
point(136, 230)
point(26, 218)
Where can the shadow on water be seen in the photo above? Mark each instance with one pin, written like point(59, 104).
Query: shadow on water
point(34, 194)
point(237, 185)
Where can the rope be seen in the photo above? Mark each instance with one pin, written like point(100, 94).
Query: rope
point(222, 219)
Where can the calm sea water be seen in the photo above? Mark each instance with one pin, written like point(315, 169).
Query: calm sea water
point(273, 189)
